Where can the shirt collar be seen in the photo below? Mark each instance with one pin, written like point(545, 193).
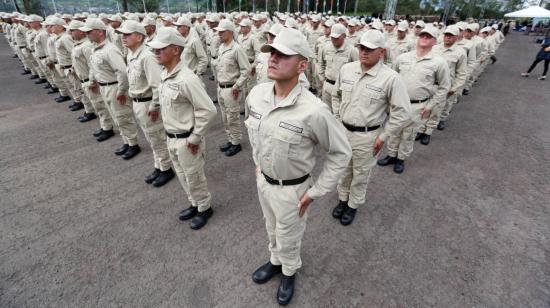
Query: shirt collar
point(165, 75)
point(289, 100)
point(133, 55)
point(373, 71)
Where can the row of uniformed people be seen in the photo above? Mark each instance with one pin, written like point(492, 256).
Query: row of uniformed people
point(367, 105)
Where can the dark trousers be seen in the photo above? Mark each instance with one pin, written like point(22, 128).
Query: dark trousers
point(546, 63)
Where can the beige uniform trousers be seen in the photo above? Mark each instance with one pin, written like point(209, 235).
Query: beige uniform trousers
point(155, 135)
point(428, 125)
point(122, 115)
point(75, 87)
point(326, 97)
point(38, 67)
point(449, 105)
point(59, 81)
point(190, 171)
point(476, 71)
point(105, 119)
point(42, 63)
point(230, 110)
point(402, 145)
point(285, 228)
point(352, 187)
point(26, 58)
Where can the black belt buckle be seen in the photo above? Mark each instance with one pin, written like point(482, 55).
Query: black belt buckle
point(180, 136)
point(297, 181)
point(418, 101)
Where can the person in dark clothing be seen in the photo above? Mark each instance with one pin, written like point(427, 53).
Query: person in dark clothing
point(543, 55)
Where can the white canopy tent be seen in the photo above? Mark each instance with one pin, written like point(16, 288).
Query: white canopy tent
point(530, 12)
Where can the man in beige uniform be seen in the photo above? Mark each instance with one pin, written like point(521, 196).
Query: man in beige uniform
point(334, 55)
point(286, 125)
point(365, 91)
point(108, 73)
point(187, 111)
point(58, 31)
point(320, 44)
point(144, 79)
point(313, 33)
point(212, 42)
point(470, 49)
point(193, 54)
point(35, 23)
point(481, 54)
point(251, 47)
point(232, 69)
point(428, 81)
point(458, 67)
point(400, 43)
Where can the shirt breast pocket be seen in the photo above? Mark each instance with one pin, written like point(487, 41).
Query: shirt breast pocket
point(372, 94)
point(346, 89)
point(286, 143)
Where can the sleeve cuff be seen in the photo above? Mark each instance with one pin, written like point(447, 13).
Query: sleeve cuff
point(383, 136)
point(194, 139)
point(314, 193)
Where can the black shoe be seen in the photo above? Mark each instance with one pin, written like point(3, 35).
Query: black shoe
point(53, 90)
point(164, 177)
point(465, 92)
point(61, 98)
point(201, 219)
point(425, 140)
point(225, 147)
point(215, 101)
point(33, 77)
point(132, 151)
point(234, 149)
point(265, 272)
point(150, 178)
point(211, 78)
point(188, 213)
point(441, 125)
point(388, 160)
point(313, 91)
point(15, 56)
point(122, 149)
point(418, 136)
point(47, 86)
point(348, 216)
point(286, 290)
point(106, 134)
point(97, 132)
point(76, 106)
point(339, 209)
point(40, 81)
point(493, 59)
point(25, 72)
point(87, 117)
point(399, 166)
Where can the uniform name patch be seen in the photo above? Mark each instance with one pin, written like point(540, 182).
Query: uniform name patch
point(377, 89)
point(347, 81)
point(173, 86)
point(291, 127)
point(255, 115)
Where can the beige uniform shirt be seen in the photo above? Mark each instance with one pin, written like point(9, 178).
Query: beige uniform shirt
point(398, 47)
point(458, 64)
point(185, 105)
point(332, 60)
point(52, 57)
point(30, 39)
point(481, 48)
point(353, 39)
point(232, 66)
point(251, 47)
point(284, 136)
point(20, 33)
point(107, 65)
point(364, 98)
point(41, 43)
point(471, 56)
point(115, 38)
point(491, 45)
point(319, 46)
point(212, 43)
point(63, 48)
point(194, 56)
point(143, 75)
point(426, 78)
point(312, 36)
point(80, 56)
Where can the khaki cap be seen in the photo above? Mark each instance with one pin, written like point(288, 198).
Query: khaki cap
point(420, 23)
point(452, 30)
point(115, 18)
point(430, 30)
point(472, 27)
point(93, 24)
point(55, 21)
point(131, 26)
point(372, 39)
point(245, 23)
point(316, 18)
point(403, 26)
point(75, 25)
point(390, 22)
point(289, 42)
point(338, 30)
point(225, 25)
point(291, 23)
point(275, 29)
point(486, 29)
point(167, 36)
point(329, 23)
point(34, 18)
point(148, 21)
point(213, 18)
point(183, 21)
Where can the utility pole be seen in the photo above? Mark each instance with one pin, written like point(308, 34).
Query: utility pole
point(389, 12)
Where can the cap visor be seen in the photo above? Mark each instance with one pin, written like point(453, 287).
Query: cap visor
point(336, 36)
point(123, 31)
point(280, 48)
point(368, 45)
point(85, 29)
point(220, 29)
point(157, 45)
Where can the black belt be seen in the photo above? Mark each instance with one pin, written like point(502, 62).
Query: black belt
point(226, 85)
point(85, 80)
point(419, 101)
point(250, 61)
point(107, 83)
point(352, 128)
point(142, 99)
point(66, 66)
point(285, 182)
point(181, 136)
point(330, 81)
point(41, 58)
point(22, 47)
point(214, 58)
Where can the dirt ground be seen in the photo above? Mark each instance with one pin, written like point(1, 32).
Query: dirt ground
point(466, 225)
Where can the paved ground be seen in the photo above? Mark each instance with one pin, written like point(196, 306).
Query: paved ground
point(466, 225)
